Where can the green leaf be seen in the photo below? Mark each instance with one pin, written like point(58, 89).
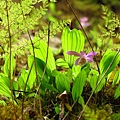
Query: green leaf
point(15, 87)
point(76, 70)
point(32, 76)
point(116, 77)
point(62, 83)
point(40, 65)
point(78, 85)
point(106, 61)
point(57, 109)
point(87, 68)
point(4, 90)
point(22, 79)
point(81, 101)
point(4, 79)
point(2, 102)
point(41, 52)
point(60, 62)
point(70, 75)
point(94, 80)
point(7, 65)
point(72, 40)
point(117, 92)
point(49, 86)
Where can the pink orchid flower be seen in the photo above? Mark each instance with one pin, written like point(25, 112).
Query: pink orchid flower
point(84, 22)
point(82, 57)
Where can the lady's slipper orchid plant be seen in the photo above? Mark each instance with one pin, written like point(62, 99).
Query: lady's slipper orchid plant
point(83, 57)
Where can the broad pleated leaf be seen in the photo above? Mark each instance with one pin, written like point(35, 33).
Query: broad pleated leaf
point(60, 62)
point(72, 40)
point(4, 89)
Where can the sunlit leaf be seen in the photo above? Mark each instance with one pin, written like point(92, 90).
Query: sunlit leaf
point(62, 83)
point(117, 92)
point(32, 76)
point(72, 40)
point(93, 83)
point(60, 62)
point(116, 77)
point(78, 85)
point(106, 61)
point(4, 90)
point(7, 64)
point(41, 53)
point(22, 79)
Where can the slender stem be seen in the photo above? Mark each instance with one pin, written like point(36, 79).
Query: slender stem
point(38, 89)
point(34, 63)
point(80, 114)
point(25, 89)
point(83, 32)
point(10, 46)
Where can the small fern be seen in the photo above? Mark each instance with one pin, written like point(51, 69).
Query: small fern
point(108, 31)
point(24, 17)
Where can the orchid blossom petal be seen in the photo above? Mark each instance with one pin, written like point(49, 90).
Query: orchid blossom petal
point(73, 53)
point(83, 54)
point(84, 19)
point(77, 61)
point(82, 57)
point(91, 54)
point(90, 59)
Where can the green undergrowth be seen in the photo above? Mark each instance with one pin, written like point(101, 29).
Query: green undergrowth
point(84, 79)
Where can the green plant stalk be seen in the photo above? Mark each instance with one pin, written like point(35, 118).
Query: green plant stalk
point(80, 114)
point(10, 45)
point(25, 89)
point(83, 32)
point(34, 63)
point(38, 89)
point(40, 103)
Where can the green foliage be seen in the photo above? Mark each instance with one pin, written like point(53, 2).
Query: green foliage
point(109, 31)
point(117, 92)
point(62, 83)
point(72, 40)
point(105, 64)
point(93, 83)
point(19, 19)
point(115, 116)
point(41, 53)
point(112, 23)
point(4, 90)
point(78, 85)
point(24, 16)
point(7, 65)
point(116, 78)
point(62, 63)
